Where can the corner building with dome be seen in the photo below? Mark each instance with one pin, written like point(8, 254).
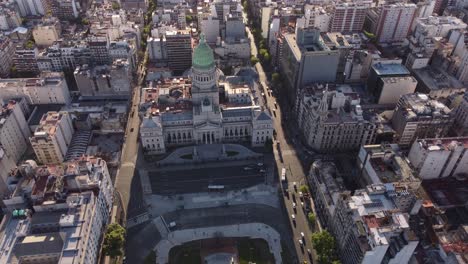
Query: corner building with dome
point(184, 114)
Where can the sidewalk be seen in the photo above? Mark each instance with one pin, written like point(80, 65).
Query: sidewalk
point(253, 230)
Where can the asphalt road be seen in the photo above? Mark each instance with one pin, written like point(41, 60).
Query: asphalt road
point(288, 158)
point(127, 186)
point(197, 180)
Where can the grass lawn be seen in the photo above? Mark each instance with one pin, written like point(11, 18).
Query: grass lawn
point(254, 250)
point(187, 156)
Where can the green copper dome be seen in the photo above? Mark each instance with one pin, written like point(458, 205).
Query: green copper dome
point(203, 57)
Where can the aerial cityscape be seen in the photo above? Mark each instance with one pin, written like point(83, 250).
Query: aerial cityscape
point(233, 131)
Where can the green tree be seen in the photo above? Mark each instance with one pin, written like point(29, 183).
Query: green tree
point(262, 44)
point(253, 60)
point(150, 258)
point(304, 188)
point(311, 217)
point(324, 244)
point(115, 6)
point(189, 19)
point(114, 240)
point(85, 21)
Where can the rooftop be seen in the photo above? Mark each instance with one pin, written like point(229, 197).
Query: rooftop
point(437, 79)
point(390, 69)
point(436, 144)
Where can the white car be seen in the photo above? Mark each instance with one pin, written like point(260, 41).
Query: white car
point(301, 195)
point(293, 217)
point(302, 235)
point(300, 242)
point(294, 205)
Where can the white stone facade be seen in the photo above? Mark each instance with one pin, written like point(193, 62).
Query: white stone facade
point(203, 120)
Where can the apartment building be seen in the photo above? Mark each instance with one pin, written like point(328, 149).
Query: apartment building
point(72, 204)
point(25, 59)
point(307, 59)
point(99, 47)
point(32, 7)
point(315, 16)
point(348, 16)
point(179, 50)
point(14, 135)
point(461, 117)
point(435, 158)
point(418, 116)
point(372, 226)
point(61, 56)
point(105, 80)
point(7, 49)
point(52, 137)
point(9, 16)
point(330, 119)
point(391, 23)
point(48, 88)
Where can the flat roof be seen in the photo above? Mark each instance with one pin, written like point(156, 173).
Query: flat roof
point(390, 69)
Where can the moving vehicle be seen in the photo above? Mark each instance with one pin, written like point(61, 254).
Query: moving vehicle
point(293, 217)
point(283, 174)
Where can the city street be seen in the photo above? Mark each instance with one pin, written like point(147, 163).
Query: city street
point(289, 159)
point(128, 187)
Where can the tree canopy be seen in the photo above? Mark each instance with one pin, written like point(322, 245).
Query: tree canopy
point(324, 245)
point(114, 240)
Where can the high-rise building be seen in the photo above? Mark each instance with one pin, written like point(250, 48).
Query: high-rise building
point(14, 134)
point(9, 17)
point(439, 157)
point(64, 9)
point(99, 46)
point(25, 59)
point(307, 59)
point(380, 75)
point(32, 7)
point(179, 50)
point(7, 51)
point(210, 27)
point(52, 137)
point(348, 16)
point(418, 116)
point(316, 17)
point(461, 117)
point(394, 22)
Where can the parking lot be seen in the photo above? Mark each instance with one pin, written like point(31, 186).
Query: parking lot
point(198, 180)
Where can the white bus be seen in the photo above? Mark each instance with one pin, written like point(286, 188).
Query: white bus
point(283, 174)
